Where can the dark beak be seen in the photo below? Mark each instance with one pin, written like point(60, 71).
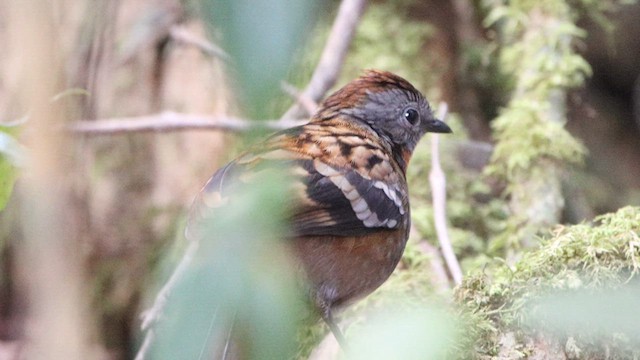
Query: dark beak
point(438, 126)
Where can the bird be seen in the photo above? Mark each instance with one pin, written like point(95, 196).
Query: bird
point(350, 216)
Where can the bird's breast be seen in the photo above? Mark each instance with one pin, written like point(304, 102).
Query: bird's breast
point(344, 269)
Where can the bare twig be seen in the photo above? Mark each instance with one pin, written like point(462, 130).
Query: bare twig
point(182, 35)
point(438, 189)
point(332, 58)
point(171, 121)
point(307, 103)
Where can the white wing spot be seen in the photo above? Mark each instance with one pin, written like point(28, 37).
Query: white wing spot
point(325, 169)
point(359, 205)
point(352, 195)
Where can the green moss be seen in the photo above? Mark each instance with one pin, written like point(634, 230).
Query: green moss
point(537, 52)
point(593, 257)
point(526, 139)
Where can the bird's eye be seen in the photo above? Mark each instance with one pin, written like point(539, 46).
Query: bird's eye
point(412, 116)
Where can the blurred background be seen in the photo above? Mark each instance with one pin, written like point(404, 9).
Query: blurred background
point(114, 203)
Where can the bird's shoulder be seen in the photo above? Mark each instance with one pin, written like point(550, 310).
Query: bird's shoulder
point(339, 143)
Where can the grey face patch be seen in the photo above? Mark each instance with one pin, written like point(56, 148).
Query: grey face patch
point(384, 112)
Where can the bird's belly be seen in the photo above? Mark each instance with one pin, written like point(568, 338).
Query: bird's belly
point(344, 269)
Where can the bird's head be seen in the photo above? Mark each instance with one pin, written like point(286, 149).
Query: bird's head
point(389, 104)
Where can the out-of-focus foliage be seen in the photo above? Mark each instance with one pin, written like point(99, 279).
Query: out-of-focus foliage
point(404, 333)
point(240, 280)
point(11, 158)
point(261, 38)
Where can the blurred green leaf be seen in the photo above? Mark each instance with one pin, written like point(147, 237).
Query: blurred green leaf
point(604, 312)
point(409, 333)
point(261, 37)
point(241, 279)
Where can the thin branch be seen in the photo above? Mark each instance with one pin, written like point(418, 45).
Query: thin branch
point(438, 189)
point(323, 78)
point(182, 35)
point(333, 54)
point(171, 121)
point(307, 103)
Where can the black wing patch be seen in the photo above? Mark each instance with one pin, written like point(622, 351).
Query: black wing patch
point(345, 203)
point(328, 201)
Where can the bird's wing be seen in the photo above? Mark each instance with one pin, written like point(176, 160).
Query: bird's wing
point(343, 202)
point(335, 194)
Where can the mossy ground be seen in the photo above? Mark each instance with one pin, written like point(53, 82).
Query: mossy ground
point(589, 259)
